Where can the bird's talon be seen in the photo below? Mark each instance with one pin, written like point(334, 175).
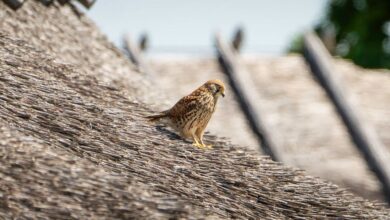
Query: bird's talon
point(198, 145)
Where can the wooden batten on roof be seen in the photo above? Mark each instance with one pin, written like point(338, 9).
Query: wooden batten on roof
point(135, 51)
point(361, 132)
point(227, 58)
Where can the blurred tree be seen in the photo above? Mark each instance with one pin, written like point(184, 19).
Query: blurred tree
point(356, 29)
point(296, 46)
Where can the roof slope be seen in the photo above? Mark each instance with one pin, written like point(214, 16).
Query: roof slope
point(371, 92)
point(74, 117)
point(43, 182)
point(306, 125)
point(301, 118)
point(74, 39)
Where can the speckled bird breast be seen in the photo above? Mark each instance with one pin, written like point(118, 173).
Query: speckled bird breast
point(197, 113)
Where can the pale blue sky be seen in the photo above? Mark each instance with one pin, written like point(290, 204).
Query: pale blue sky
point(188, 26)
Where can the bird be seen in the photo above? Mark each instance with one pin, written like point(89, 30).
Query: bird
point(191, 114)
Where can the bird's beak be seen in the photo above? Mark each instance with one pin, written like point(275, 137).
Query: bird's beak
point(223, 94)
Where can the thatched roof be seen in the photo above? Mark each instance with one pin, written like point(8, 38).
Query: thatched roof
point(41, 182)
point(306, 125)
point(74, 39)
point(301, 118)
point(371, 93)
point(73, 145)
point(80, 127)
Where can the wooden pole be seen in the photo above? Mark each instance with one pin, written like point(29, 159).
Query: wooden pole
point(362, 134)
point(134, 52)
point(143, 42)
point(238, 39)
point(14, 4)
point(87, 3)
point(47, 2)
point(63, 2)
point(246, 98)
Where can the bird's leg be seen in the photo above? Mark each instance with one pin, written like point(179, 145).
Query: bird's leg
point(196, 143)
point(199, 133)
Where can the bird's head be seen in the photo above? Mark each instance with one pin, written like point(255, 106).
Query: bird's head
point(215, 87)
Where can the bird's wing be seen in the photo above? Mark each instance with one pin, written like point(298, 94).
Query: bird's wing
point(185, 105)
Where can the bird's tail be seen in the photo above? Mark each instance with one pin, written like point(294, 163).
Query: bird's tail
point(157, 117)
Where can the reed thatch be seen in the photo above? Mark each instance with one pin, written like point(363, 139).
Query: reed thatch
point(370, 91)
point(306, 125)
point(74, 39)
point(74, 143)
point(302, 119)
point(81, 127)
point(40, 182)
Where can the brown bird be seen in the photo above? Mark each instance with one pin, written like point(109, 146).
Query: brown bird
point(191, 114)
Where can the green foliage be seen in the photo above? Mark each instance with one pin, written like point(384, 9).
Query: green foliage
point(296, 45)
point(360, 30)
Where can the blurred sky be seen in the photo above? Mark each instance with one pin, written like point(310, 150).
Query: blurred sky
point(184, 26)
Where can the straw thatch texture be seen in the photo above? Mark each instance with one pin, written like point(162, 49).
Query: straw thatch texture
point(306, 126)
point(41, 182)
point(303, 121)
point(370, 91)
point(75, 118)
point(74, 39)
